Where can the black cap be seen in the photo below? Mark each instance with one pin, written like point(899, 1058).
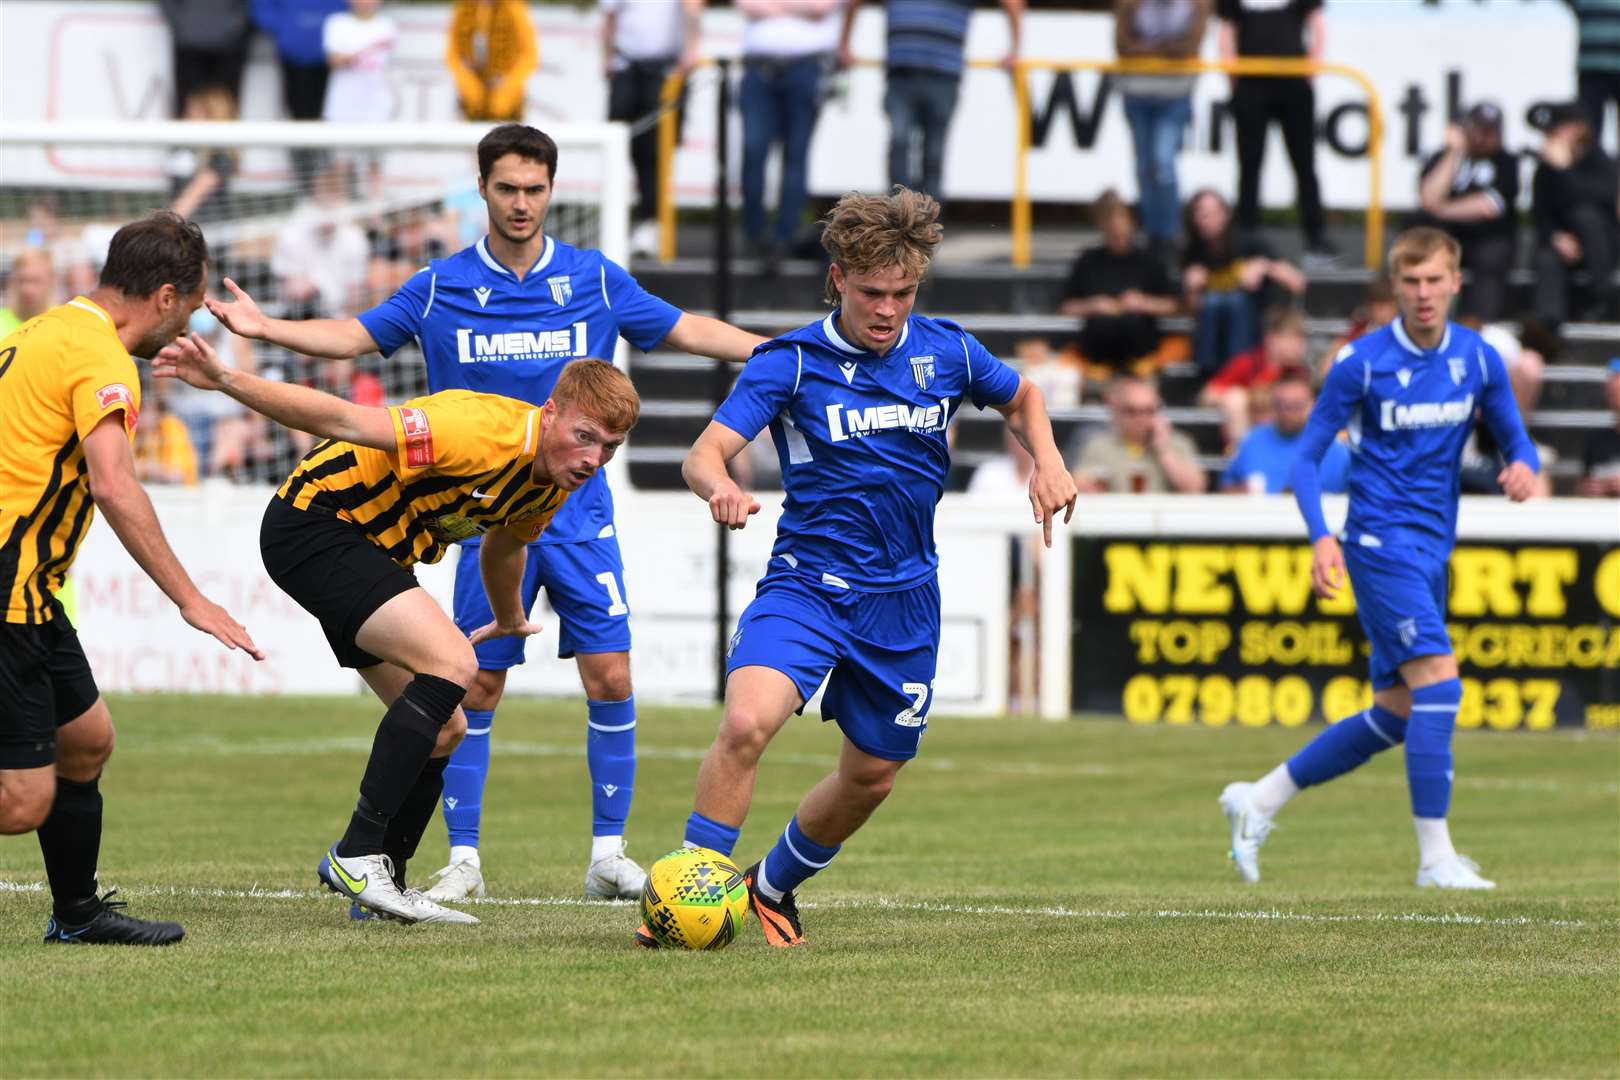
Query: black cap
point(1486, 116)
point(1547, 117)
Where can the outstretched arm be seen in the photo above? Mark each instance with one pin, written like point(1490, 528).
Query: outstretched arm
point(704, 471)
point(703, 336)
point(193, 360)
point(1051, 487)
point(339, 339)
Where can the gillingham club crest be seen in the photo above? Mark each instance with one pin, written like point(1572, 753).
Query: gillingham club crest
point(562, 290)
point(1459, 368)
point(922, 371)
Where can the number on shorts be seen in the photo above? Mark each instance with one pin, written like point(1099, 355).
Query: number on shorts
point(918, 692)
point(616, 605)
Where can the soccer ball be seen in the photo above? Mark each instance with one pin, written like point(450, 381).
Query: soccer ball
point(694, 899)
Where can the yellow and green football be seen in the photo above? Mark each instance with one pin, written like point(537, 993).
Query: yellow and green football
point(694, 899)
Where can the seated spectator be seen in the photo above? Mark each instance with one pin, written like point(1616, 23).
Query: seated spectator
point(1141, 453)
point(1525, 363)
point(1266, 455)
point(30, 289)
point(1280, 352)
point(1575, 199)
point(321, 255)
point(1120, 291)
point(1060, 380)
point(1376, 309)
point(200, 179)
point(1600, 464)
point(163, 450)
point(1471, 190)
point(1227, 281)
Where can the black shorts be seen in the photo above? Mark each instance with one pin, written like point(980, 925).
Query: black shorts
point(45, 682)
point(333, 570)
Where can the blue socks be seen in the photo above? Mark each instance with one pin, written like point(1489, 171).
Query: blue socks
point(1428, 747)
point(610, 751)
point(1346, 745)
point(794, 859)
point(464, 778)
point(708, 833)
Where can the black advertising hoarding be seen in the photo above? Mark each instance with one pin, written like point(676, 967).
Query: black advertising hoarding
point(1224, 631)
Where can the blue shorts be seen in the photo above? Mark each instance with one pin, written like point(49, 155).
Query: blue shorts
point(585, 584)
point(1401, 600)
point(881, 648)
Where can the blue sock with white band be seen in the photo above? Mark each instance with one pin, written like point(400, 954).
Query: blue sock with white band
point(793, 860)
point(610, 751)
point(1428, 747)
point(705, 832)
point(464, 778)
point(1346, 745)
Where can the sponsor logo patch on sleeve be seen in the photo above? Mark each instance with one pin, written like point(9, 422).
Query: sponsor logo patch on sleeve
point(418, 438)
point(118, 394)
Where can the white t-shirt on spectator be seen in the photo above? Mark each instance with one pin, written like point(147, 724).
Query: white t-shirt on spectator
point(789, 37)
point(646, 31)
point(358, 93)
point(319, 246)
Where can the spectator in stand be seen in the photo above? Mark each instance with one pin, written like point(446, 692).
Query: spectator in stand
point(1600, 470)
point(922, 70)
point(321, 255)
point(200, 179)
point(210, 40)
point(787, 46)
point(1227, 280)
point(1575, 199)
point(1142, 452)
point(492, 52)
point(1524, 360)
point(1266, 454)
point(217, 431)
point(1377, 308)
point(641, 44)
point(1471, 190)
point(359, 47)
point(163, 450)
point(1281, 353)
point(1059, 379)
point(1159, 107)
point(1119, 291)
point(1287, 28)
point(30, 288)
point(298, 26)
point(1597, 67)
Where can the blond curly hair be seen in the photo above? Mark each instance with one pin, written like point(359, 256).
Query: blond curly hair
point(864, 233)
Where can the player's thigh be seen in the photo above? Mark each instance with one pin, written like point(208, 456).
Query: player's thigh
point(882, 689)
point(388, 681)
point(759, 701)
point(470, 607)
point(584, 583)
point(84, 743)
point(41, 689)
point(1400, 607)
point(411, 630)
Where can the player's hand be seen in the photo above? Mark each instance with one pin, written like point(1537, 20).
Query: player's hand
point(192, 360)
point(241, 316)
point(1517, 481)
point(731, 506)
point(205, 615)
point(1050, 489)
point(1327, 568)
point(491, 631)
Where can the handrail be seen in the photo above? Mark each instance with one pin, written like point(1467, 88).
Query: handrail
point(1022, 213)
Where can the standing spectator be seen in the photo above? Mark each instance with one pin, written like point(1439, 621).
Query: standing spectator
point(786, 46)
point(1471, 190)
point(641, 44)
point(1600, 469)
point(1142, 452)
point(922, 69)
point(359, 46)
point(200, 179)
point(1119, 291)
point(209, 39)
point(1158, 107)
point(321, 256)
point(1227, 280)
point(1575, 199)
point(492, 53)
point(297, 26)
point(1597, 67)
point(1280, 354)
point(1266, 454)
point(30, 288)
point(1287, 28)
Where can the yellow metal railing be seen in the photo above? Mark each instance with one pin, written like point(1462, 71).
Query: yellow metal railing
point(1022, 211)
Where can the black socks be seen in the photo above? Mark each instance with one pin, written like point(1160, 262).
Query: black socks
point(404, 742)
point(70, 840)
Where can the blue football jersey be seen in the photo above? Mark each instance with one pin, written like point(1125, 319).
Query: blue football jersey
point(861, 439)
point(1409, 412)
point(480, 328)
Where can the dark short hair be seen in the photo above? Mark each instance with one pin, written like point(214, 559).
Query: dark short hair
point(160, 249)
point(526, 142)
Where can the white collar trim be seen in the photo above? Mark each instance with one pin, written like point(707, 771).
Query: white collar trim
point(829, 326)
point(482, 247)
point(90, 305)
point(1409, 345)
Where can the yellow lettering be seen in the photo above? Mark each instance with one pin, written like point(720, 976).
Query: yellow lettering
point(1141, 701)
point(1291, 701)
point(1254, 701)
point(1543, 697)
point(1275, 578)
point(1606, 583)
point(1482, 583)
point(1504, 709)
point(1253, 643)
point(1198, 590)
point(1471, 710)
point(1215, 701)
point(1179, 690)
point(1547, 570)
point(1344, 695)
point(1138, 578)
point(1145, 632)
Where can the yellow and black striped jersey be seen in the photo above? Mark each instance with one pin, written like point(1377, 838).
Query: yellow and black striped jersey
point(61, 374)
point(461, 464)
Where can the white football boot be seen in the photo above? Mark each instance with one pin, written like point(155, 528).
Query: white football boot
point(458, 881)
point(429, 912)
point(1249, 829)
point(1455, 872)
point(368, 880)
point(614, 877)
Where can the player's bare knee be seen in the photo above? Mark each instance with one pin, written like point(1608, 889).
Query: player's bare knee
point(25, 800)
point(605, 676)
point(457, 664)
point(745, 732)
point(1396, 700)
point(873, 782)
point(84, 745)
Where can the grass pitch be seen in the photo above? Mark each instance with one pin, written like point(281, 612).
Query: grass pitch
point(1035, 899)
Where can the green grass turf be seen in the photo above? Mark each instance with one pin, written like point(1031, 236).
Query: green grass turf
point(1036, 899)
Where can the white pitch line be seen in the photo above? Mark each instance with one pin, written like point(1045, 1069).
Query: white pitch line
point(887, 904)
